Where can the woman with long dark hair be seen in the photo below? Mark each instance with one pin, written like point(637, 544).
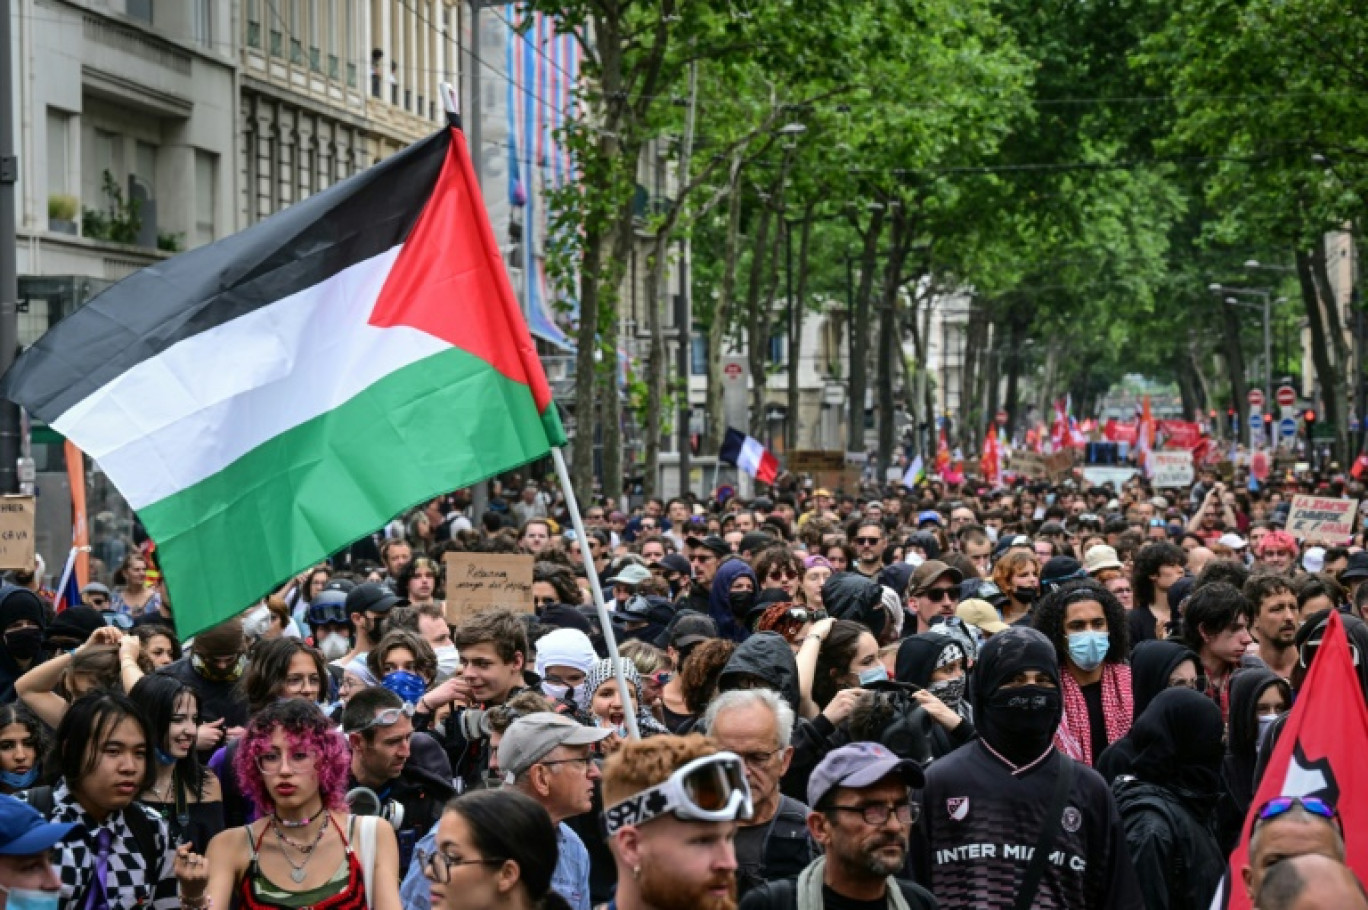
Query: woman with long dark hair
point(184, 792)
point(495, 849)
point(23, 741)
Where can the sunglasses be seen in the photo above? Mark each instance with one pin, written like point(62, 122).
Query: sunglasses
point(868, 541)
point(96, 600)
point(1281, 805)
point(802, 614)
point(935, 595)
point(779, 572)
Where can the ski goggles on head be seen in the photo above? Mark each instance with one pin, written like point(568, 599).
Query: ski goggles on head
point(708, 789)
point(1280, 805)
point(385, 718)
point(1308, 651)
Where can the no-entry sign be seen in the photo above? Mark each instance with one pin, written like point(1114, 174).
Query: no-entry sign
point(1256, 398)
point(1287, 396)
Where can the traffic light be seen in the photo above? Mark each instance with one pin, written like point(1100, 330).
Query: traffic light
point(1268, 418)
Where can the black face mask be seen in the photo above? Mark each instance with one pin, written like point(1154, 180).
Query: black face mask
point(1019, 722)
point(24, 644)
point(741, 602)
point(1026, 595)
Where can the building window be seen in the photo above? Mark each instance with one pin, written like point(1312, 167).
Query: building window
point(106, 155)
point(698, 354)
point(145, 167)
point(140, 10)
point(202, 22)
point(254, 23)
point(58, 152)
point(206, 196)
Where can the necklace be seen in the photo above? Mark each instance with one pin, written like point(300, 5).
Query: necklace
point(300, 823)
point(300, 871)
point(164, 795)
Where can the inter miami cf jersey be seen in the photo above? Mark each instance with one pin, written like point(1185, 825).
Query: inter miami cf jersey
point(980, 824)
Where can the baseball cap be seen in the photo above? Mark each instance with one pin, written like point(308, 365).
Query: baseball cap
point(930, 516)
point(371, 597)
point(981, 615)
point(24, 831)
point(1058, 570)
point(630, 574)
point(688, 628)
point(532, 737)
point(755, 541)
point(95, 588)
point(674, 562)
point(856, 765)
point(928, 572)
point(1234, 541)
point(711, 542)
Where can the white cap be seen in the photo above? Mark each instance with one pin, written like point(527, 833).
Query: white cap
point(1234, 541)
point(1313, 560)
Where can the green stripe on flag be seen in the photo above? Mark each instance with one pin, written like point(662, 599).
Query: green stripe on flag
point(445, 422)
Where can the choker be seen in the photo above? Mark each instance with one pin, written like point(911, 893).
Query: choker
point(301, 823)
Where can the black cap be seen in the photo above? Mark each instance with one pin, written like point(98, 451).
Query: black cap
point(755, 541)
point(1059, 570)
point(675, 562)
point(687, 628)
point(565, 616)
point(711, 542)
point(371, 597)
point(1357, 567)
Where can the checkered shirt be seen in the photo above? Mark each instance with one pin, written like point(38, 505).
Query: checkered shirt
point(127, 883)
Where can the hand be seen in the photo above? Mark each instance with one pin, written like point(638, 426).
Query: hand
point(192, 872)
point(105, 635)
point(233, 733)
point(939, 710)
point(130, 648)
point(209, 735)
point(453, 690)
point(822, 627)
point(610, 743)
point(840, 706)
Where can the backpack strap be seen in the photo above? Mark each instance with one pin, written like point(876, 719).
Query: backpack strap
point(40, 798)
point(1049, 830)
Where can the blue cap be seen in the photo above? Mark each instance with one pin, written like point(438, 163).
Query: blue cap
point(932, 516)
point(24, 832)
point(860, 764)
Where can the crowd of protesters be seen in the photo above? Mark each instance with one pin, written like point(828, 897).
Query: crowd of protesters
point(1037, 695)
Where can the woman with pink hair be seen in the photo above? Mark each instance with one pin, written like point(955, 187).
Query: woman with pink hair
point(306, 849)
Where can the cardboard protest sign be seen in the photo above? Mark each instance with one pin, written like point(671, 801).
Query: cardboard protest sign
point(1171, 469)
point(1059, 466)
point(1028, 464)
point(16, 532)
point(482, 581)
point(1322, 518)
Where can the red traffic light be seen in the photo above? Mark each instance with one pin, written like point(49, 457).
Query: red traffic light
point(1268, 418)
point(1230, 412)
point(1310, 416)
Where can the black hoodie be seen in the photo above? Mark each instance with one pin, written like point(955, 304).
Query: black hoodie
point(916, 661)
point(1242, 747)
point(850, 595)
point(1152, 663)
point(18, 604)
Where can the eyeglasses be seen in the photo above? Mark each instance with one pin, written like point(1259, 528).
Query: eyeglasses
point(868, 541)
point(437, 865)
point(1281, 805)
point(759, 759)
point(661, 678)
point(96, 600)
point(272, 762)
point(878, 813)
point(585, 760)
point(709, 789)
point(386, 718)
point(781, 572)
point(939, 594)
point(802, 614)
point(295, 683)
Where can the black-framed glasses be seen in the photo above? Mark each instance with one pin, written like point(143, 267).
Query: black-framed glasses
point(585, 760)
point(878, 813)
point(868, 541)
point(1281, 805)
point(780, 572)
point(938, 594)
point(437, 865)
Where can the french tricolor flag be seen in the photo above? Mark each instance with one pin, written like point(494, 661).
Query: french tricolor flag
point(749, 455)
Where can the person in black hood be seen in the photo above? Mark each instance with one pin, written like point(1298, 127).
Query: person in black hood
point(850, 595)
point(1257, 697)
point(984, 805)
point(1167, 806)
point(733, 593)
point(935, 662)
point(1157, 665)
point(23, 619)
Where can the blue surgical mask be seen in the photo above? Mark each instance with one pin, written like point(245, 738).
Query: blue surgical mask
point(1088, 649)
point(875, 674)
point(19, 781)
point(164, 757)
point(30, 899)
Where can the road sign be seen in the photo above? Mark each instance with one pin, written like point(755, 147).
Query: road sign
point(733, 370)
point(1256, 422)
point(1256, 398)
point(1287, 396)
point(1001, 416)
point(1287, 428)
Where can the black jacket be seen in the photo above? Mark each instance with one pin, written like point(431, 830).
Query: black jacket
point(1177, 860)
point(981, 819)
point(812, 740)
point(788, 847)
point(422, 789)
point(1242, 747)
point(766, 656)
point(783, 895)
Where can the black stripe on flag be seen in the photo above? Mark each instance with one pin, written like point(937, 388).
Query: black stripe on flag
point(156, 307)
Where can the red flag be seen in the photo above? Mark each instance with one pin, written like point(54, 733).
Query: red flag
point(990, 465)
point(1360, 467)
point(1320, 753)
point(942, 452)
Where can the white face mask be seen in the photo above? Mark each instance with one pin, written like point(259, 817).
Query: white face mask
point(554, 691)
point(448, 662)
point(334, 645)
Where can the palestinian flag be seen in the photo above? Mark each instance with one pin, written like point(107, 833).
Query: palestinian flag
point(266, 400)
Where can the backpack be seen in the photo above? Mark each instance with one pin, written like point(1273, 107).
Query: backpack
point(144, 833)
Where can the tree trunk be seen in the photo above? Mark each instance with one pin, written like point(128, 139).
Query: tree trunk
point(795, 309)
point(717, 329)
point(1321, 348)
point(1234, 358)
point(890, 338)
point(971, 378)
point(1333, 385)
point(655, 361)
point(757, 320)
point(1187, 386)
point(586, 370)
point(859, 335)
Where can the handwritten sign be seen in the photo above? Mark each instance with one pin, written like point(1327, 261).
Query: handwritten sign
point(16, 532)
point(476, 582)
point(1171, 469)
point(1059, 466)
point(1322, 518)
point(1028, 464)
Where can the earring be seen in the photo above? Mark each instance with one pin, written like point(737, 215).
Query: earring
point(636, 872)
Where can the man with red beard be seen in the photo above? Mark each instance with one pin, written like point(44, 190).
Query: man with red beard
point(862, 816)
point(671, 852)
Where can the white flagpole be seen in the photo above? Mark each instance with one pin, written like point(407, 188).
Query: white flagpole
point(66, 574)
point(629, 709)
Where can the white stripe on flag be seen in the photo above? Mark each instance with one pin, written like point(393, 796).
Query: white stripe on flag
point(263, 373)
point(751, 454)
